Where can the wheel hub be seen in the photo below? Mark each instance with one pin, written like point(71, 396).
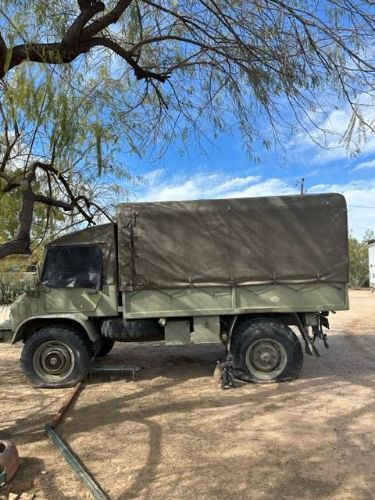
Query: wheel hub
point(53, 360)
point(266, 358)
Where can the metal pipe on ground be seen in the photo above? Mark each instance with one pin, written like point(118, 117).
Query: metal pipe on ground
point(76, 464)
point(73, 460)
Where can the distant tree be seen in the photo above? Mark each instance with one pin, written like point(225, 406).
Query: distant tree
point(369, 235)
point(358, 256)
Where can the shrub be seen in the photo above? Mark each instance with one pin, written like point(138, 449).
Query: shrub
point(358, 255)
point(10, 290)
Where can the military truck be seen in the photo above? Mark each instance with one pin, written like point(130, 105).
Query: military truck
point(247, 273)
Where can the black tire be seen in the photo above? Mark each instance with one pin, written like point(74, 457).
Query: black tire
point(56, 356)
point(106, 347)
point(266, 350)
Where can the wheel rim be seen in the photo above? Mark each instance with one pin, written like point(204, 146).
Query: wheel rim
point(266, 359)
point(53, 361)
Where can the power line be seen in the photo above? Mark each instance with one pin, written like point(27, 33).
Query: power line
point(359, 206)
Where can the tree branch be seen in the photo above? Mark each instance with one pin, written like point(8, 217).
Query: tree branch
point(51, 202)
point(3, 56)
point(112, 17)
point(48, 53)
point(65, 183)
point(15, 247)
point(88, 10)
point(11, 182)
point(140, 72)
point(21, 242)
point(76, 41)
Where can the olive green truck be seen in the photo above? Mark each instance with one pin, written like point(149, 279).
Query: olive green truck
point(240, 272)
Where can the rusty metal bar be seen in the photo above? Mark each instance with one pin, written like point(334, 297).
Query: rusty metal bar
point(60, 414)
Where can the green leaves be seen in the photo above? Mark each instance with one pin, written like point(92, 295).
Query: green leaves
point(358, 257)
point(274, 55)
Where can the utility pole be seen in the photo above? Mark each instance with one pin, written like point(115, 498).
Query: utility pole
point(301, 183)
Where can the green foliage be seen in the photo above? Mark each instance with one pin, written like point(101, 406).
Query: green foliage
point(20, 263)
point(10, 290)
point(9, 209)
point(55, 118)
point(224, 58)
point(57, 125)
point(358, 257)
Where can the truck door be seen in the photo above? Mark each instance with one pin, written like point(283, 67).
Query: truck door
point(72, 278)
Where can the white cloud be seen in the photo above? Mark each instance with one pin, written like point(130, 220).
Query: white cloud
point(328, 140)
point(364, 165)
point(151, 176)
point(237, 182)
point(203, 186)
point(267, 187)
point(187, 190)
point(360, 198)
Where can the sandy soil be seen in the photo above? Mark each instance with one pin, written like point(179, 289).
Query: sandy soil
point(173, 434)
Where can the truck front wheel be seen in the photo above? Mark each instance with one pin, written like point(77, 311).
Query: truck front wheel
point(56, 356)
point(106, 347)
point(266, 351)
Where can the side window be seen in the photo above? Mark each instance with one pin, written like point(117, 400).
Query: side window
point(73, 267)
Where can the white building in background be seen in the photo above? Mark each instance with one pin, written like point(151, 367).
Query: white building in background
point(371, 262)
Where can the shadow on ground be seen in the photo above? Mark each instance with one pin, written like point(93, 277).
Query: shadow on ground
point(175, 434)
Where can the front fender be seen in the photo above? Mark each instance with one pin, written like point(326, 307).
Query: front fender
point(33, 323)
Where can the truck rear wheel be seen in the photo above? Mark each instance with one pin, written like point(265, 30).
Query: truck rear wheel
point(266, 350)
point(56, 356)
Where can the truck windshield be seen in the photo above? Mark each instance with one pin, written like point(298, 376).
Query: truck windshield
point(73, 267)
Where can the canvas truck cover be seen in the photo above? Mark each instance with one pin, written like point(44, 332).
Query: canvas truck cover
point(233, 242)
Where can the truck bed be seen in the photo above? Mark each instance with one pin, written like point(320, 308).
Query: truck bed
point(211, 257)
point(272, 298)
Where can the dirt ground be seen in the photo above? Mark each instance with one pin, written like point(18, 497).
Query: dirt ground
point(174, 434)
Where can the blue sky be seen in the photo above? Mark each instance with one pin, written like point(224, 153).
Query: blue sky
point(225, 170)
